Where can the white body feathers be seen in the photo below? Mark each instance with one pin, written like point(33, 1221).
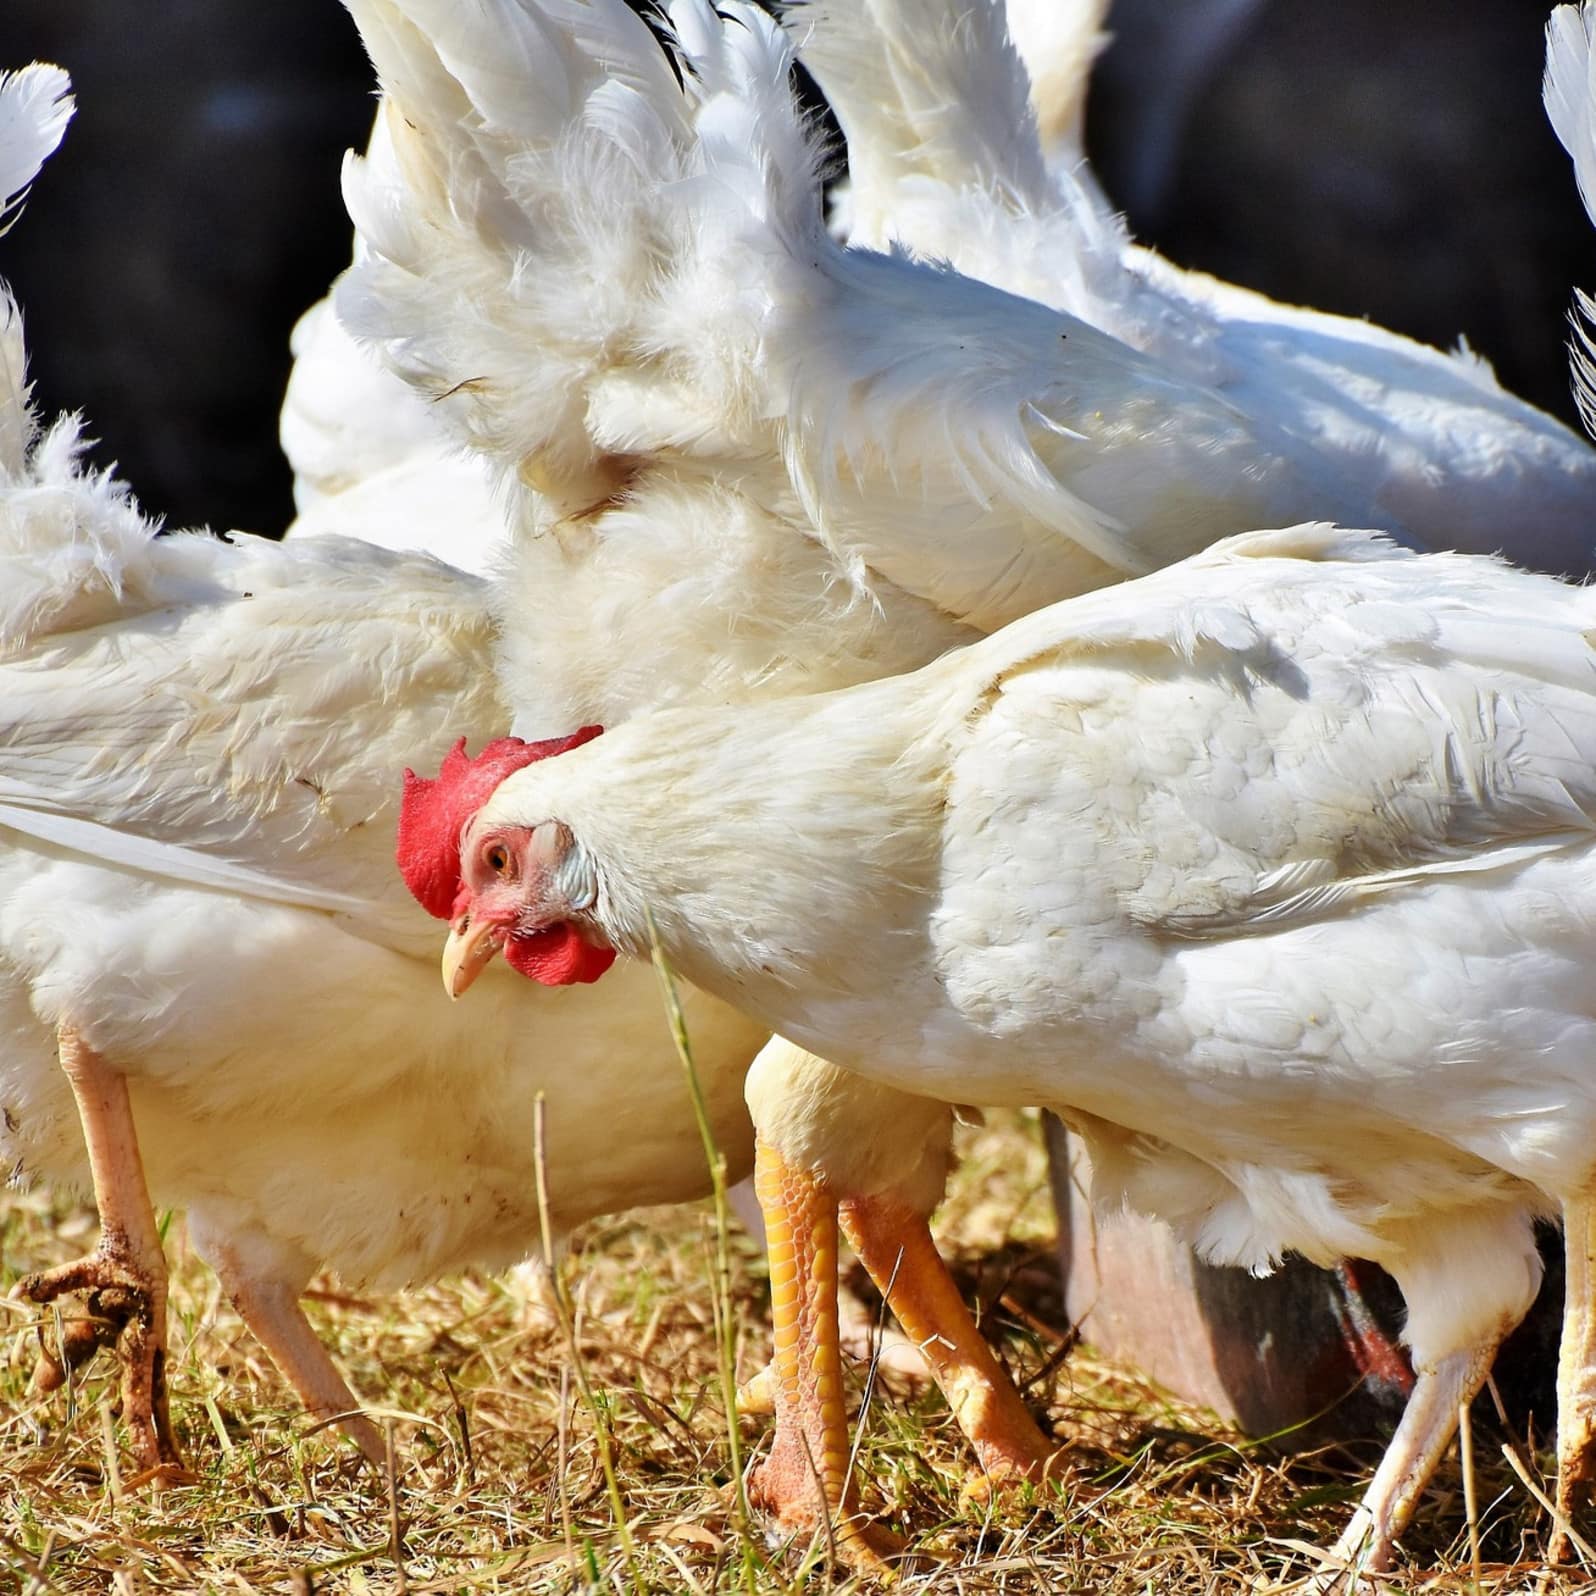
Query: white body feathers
point(1275, 873)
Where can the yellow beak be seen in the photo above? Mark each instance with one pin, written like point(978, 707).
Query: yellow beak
point(468, 952)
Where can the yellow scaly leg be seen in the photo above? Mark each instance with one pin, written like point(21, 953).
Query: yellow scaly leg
point(894, 1243)
point(802, 1482)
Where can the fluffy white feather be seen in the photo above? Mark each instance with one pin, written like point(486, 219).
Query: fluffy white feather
point(836, 463)
point(1417, 440)
point(957, 111)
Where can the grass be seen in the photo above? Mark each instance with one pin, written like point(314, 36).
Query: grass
point(498, 1482)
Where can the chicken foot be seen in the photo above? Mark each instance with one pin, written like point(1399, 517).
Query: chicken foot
point(1576, 1373)
point(894, 1244)
point(276, 1318)
point(803, 1481)
point(125, 1277)
point(1428, 1423)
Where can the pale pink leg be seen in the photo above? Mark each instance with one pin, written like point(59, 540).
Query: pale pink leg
point(276, 1319)
point(125, 1276)
point(1428, 1424)
point(1576, 1373)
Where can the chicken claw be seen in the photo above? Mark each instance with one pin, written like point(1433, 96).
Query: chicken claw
point(124, 1278)
point(126, 1310)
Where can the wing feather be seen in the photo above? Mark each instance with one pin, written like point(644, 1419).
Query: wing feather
point(1297, 724)
point(665, 288)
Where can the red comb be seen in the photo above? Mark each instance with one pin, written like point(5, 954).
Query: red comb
point(432, 814)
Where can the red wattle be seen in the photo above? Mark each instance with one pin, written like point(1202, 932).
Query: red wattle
point(557, 956)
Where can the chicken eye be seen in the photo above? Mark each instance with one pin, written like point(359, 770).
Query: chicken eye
point(498, 858)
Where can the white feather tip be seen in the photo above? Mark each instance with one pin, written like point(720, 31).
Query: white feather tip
point(1568, 93)
point(35, 106)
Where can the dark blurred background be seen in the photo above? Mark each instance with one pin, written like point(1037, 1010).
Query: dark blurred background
point(190, 215)
point(1379, 159)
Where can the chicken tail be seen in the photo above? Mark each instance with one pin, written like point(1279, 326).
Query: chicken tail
point(35, 107)
point(922, 90)
point(564, 197)
point(58, 522)
point(1569, 94)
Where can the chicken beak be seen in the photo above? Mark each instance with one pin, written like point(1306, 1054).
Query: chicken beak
point(468, 952)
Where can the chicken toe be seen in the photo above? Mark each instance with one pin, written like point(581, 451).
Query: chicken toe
point(80, 1339)
point(127, 1310)
point(1428, 1424)
point(124, 1278)
point(756, 1396)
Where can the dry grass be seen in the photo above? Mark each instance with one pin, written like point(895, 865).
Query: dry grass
point(498, 1485)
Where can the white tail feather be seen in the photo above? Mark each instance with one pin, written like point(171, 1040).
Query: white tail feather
point(936, 92)
point(561, 193)
point(35, 107)
point(644, 276)
point(1569, 93)
point(1058, 41)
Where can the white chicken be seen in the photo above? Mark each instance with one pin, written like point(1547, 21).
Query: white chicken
point(739, 459)
point(742, 455)
point(200, 747)
point(945, 160)
point(1273, 873)
point(209, 969)
point(734, 452)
